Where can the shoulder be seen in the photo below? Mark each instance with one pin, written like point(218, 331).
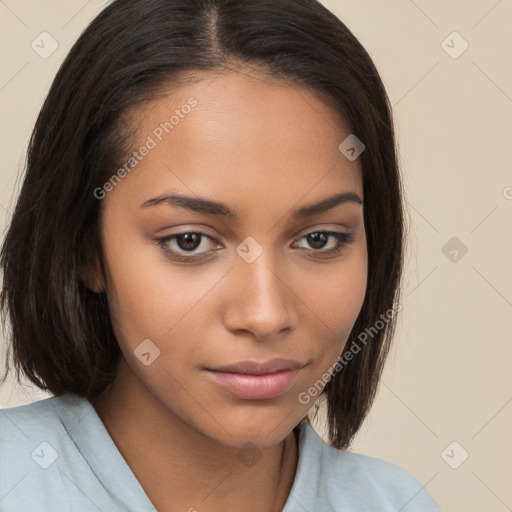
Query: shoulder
point(21, 423)
point(43, 418)
point(361, 482)
point(33, 436)
point(382, 481)
point(41, 467)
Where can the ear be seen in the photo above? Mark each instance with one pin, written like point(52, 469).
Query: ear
point(92, 276)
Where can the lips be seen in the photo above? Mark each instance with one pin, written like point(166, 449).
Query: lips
point(256, 381)
point(255, 368)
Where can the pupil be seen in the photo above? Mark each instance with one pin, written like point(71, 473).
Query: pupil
point(316, 238)
point(190, 241)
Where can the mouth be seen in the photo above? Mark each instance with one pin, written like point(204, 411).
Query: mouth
point(256, 381)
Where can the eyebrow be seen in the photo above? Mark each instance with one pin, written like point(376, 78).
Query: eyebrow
point(209, 207)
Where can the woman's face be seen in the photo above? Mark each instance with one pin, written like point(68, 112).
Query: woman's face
point(262, 282)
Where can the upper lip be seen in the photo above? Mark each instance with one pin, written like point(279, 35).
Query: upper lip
point(256, 368)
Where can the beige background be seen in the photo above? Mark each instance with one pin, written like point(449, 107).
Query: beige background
point(448, 378)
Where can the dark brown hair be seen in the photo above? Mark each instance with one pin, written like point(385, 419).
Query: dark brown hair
point(62, 337)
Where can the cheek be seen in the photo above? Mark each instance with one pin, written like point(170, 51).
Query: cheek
point(150, 298)
point(335, 293)
point(334, 296)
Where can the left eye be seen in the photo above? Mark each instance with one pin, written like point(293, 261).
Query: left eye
point(179, 245)
point(184, 241)
point(318, 238)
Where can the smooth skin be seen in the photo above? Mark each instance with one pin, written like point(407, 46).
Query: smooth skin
point(264, 149)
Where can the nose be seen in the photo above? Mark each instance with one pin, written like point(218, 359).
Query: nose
point(260, 299)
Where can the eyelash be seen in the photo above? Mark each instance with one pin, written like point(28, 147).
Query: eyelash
point(343, 239)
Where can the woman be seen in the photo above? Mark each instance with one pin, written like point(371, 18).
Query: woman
point(209, 226)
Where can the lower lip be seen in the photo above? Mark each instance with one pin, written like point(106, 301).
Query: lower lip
point(256, 387)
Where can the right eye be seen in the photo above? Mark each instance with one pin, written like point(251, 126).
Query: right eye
point(181, 244)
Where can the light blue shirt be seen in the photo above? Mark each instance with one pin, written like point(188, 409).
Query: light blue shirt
point(57, 456)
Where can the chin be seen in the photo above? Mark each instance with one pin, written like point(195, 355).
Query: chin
point(258, 429)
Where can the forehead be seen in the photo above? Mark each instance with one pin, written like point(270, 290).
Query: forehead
point(242, 139)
